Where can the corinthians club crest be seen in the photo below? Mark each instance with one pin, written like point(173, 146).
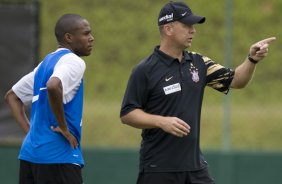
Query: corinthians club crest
point(194, 72)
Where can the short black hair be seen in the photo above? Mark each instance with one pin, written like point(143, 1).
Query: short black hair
point(66, 24)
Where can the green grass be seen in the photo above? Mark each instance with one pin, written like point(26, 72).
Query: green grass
point(102, 126)
point(252, 126)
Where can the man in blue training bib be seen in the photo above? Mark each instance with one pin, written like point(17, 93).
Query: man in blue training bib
point(51, 151)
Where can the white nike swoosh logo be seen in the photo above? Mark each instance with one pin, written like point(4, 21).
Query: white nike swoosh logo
point(183, 14)
point(167, 79)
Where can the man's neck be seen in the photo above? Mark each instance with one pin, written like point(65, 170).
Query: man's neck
point(172, 51)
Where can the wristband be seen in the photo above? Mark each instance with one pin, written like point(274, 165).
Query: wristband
point(252, 60)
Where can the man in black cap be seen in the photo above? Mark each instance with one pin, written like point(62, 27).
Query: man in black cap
point(164, 98)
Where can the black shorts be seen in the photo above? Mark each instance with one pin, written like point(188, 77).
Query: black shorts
point(189, 177)
point(31, 173)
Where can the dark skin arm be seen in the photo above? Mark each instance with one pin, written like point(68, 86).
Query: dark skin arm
point(17, 109)
point(55, 97)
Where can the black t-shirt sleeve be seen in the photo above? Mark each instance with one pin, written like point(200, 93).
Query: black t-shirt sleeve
point(135, 96)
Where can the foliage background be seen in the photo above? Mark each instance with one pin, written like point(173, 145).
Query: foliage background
point(126, 31)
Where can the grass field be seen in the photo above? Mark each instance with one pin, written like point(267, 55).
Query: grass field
point(252, 126)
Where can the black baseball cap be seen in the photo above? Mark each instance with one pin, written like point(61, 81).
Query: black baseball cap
point(178, 11)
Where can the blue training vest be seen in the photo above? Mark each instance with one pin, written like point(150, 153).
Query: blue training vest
point(41, 144)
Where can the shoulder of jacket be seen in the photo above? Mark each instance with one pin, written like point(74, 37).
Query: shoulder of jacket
point(197, 54)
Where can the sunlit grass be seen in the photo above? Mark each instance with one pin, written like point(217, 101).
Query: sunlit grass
point(252, 126)
point(102, 126)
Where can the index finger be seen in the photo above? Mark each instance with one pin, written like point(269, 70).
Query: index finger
point(267, 40)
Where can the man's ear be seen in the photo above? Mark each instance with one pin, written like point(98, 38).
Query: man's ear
point(168, 29)
point(68, 37)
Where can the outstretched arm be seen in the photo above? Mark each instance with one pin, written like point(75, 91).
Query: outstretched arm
point(245, 71)
point(17, 109)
